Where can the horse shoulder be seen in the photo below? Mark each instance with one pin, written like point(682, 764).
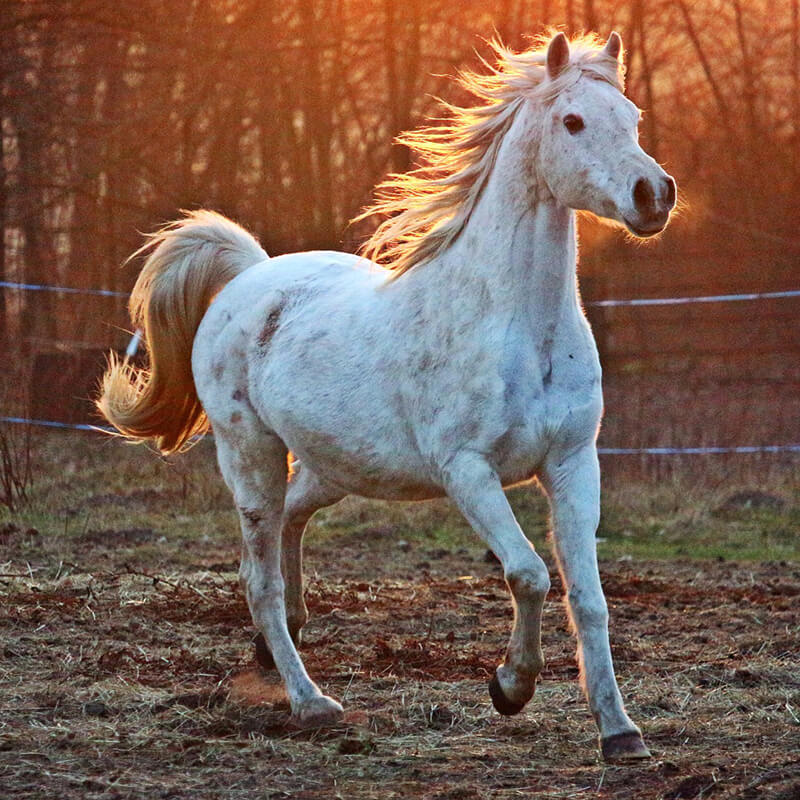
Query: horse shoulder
point(575, 396)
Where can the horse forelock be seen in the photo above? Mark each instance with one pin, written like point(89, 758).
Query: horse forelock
point(427, 208)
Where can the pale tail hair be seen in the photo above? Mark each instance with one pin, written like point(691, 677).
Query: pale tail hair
point(424, 210)
point(188, 262)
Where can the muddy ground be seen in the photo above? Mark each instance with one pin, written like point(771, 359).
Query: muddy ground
point(118, 680)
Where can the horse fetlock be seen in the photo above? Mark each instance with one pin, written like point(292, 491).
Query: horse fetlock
point(529, 665)
point(264, 654)
point(295, 631)
point(296, 619)
point(517, 683)
point(510, 692)
point(317, 712)
point(296, 634)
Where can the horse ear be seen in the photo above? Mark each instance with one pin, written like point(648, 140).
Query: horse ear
point(557, 55)
point(613, 46)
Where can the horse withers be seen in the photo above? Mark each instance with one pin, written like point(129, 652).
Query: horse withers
point(451, 358)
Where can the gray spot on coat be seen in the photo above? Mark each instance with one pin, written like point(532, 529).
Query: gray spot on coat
point(252, 515)
point(271, 325)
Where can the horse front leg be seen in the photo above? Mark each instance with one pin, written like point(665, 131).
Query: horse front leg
point(477, 492)
point(573, 484)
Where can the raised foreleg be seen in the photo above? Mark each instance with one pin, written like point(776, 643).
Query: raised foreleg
point(476, 489)
point(256, 474)
point(573, 483)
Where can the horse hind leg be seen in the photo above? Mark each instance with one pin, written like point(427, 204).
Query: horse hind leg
point(305, 495)
point(256, 474)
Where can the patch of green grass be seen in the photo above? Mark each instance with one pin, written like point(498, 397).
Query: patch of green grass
point(677, 521)
point(88, 488)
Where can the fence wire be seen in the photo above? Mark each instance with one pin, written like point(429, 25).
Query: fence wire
point(608, 303)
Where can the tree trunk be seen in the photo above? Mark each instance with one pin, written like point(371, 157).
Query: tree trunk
point(650, 118)
point(691, 31)
point(796, 94)
point(570, 14)
point(589, 16)
point(317, 106)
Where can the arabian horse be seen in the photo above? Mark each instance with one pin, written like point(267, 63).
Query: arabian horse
point(451, 358)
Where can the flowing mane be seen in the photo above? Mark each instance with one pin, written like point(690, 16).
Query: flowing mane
point(427, 208)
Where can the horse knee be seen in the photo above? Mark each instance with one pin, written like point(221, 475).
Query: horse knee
point(296, 620)
point(588, 610)
point(264, 592)
point(530, 580)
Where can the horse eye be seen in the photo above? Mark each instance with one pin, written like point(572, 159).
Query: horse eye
point(573, 123)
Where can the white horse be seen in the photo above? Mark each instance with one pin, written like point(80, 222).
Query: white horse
point(466, 368)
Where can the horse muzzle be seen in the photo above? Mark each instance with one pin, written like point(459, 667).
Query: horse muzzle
point(652, 202)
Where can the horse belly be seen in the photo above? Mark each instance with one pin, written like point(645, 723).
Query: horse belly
point(342, 426)
point(374, 467)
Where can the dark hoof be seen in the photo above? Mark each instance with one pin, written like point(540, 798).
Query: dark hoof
point(501, 703)
point(321, 712)
point(263, 653)
point(624, 747)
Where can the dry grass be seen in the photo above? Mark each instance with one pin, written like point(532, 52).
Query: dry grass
point(126, 669)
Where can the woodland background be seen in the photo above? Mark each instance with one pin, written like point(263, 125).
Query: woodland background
point(282, 115)
point(127, 666)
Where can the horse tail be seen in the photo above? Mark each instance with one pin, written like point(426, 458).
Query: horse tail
point(188, 262)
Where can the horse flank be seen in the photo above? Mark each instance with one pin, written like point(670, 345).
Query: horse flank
point(427, 208)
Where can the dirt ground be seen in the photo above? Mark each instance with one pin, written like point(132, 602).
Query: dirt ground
point(117, 681)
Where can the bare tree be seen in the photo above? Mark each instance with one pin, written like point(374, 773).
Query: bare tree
point(283, 114)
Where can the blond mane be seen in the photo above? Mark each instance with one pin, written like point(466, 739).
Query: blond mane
point(427, 208)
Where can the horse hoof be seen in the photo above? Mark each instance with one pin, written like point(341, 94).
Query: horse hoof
point(319, 712)
point(501, 703)
point(263, 653)
point(624, 747)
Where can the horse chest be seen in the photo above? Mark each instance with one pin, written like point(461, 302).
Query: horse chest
point(555, 407)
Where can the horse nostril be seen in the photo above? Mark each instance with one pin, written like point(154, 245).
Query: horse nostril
point(643, 196)
point(669, 191)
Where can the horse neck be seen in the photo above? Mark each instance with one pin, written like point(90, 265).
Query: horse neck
point(518, 249)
